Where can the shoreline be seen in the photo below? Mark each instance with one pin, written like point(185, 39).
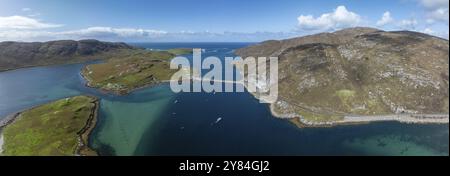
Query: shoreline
point(52, 64)
point(119, 93)
point(83, 148)
point(5, 122)
point(83, 134)
point(365, 119)
point(1, 142)
point(10, 118)
point(348, 119)
point(104, 55)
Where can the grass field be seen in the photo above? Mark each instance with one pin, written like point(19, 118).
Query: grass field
point(51, 129)
point(180, 51)
point(124, 74)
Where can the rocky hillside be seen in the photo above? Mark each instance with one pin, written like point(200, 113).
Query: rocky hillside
point(20, 54)
point(359, 71)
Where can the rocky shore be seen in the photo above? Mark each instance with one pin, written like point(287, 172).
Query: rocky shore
point(8, 120)
point(83, 135)
point(361, 119)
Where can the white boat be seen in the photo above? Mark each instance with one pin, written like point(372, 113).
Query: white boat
point(218, 120)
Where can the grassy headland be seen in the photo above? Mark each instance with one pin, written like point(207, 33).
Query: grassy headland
point(54, 129)
point(123, 74)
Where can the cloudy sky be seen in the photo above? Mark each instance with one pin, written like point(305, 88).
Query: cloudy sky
point(211, 20)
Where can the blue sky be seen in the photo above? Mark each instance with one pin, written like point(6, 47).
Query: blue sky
point(211, 20)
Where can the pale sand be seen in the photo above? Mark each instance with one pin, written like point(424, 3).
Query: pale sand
point(355, 119)
point(1, 143)
point(404, 118)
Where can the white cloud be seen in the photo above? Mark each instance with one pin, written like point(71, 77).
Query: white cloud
point(440, 14)
point(437, 10)
point(19, 28)
point(24, 35)
point(21, 22)
point(408, 24)
point(34, 14)
point(338, 19)
point(385, 19)
point(434, 3)
point(113, 32)
point(144, 35)
point(429, 31)
point(102, 33)
point(442, 34)
point(26, 9)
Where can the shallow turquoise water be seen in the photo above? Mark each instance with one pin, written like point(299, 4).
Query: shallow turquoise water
point(124, 123)
point(155, 121)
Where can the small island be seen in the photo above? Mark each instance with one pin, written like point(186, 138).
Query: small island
point(122, 75)
point(180, 51)
point(59, 128)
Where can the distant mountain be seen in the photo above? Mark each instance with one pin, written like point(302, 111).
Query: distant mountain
point(21, 54)
point(359, 71)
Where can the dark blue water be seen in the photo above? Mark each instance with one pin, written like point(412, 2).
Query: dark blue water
point(156, 121)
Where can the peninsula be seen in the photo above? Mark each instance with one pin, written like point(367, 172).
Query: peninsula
point(124, 69)
point(123, 74)
point(58, 128)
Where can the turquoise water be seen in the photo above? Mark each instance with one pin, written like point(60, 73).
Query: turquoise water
point(156, 121)
point(125, 119)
